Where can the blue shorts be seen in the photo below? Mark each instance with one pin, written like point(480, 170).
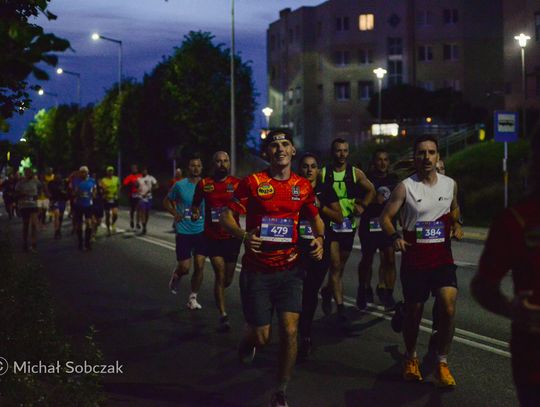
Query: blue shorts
point(261, 293)
point(58, 205)
point(190, 245)
point(145, 204)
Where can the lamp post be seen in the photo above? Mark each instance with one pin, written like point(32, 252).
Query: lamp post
point(522, 41)
point(95, 37)
point(267, 111)
point(42, 92)
point(233, 110)
point(379, 73)
point(61, 71)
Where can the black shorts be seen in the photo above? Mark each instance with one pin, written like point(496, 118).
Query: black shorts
point(110, 205)
point(83, 212)
point(226, 248)
point(26, 212)
point(188, 245)
point(97, 209)
point(371, 241)
point(345, 239)
point(261, 293)
point(307, 262)
point(134, 202)
point(417, 285)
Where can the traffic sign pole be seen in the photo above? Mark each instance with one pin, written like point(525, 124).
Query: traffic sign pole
point(506, 130)
point(505, 174)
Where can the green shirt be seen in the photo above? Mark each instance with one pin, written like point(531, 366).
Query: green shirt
point(111, 186)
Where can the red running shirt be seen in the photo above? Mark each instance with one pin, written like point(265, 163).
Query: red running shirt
point(216, 195)
point(131, 182)
point(260, 195)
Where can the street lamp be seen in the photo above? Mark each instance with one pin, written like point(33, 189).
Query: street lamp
point(233, 107)
point(267, 111)
point(61, 71)
point(379, 73)
point(522, 41)
point(95, 37)
point(41, 92)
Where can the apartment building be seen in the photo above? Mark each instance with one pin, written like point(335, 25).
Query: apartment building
point(321, 60)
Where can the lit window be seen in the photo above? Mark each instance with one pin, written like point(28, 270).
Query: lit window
point(342, 91)
point(366, 22)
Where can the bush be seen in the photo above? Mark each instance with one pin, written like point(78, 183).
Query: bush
point(28, 330)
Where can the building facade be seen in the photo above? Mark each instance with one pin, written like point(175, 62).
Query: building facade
point(321, 59)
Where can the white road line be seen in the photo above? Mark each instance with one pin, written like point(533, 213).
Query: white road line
point(350, 301)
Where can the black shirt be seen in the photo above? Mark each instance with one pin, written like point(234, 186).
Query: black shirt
point(383, 188)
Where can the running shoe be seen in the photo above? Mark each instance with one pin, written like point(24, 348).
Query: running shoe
point(192, 303)
point(411, 370)
point(278, 400)
point(113, 229)
point(131, 224)
point(174, 282)
point(443, 376)
point(246, 353)
point(361, 301)
point(138, 225)
point(224, 324)
point(143, 230)
point(326, 303)
point(397, 318)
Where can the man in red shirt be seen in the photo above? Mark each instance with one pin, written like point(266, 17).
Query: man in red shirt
point(514, 244)
point(217, 191)
point(270, 279)
point(177, 177)
point(130, 182)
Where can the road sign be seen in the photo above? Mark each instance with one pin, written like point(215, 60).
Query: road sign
point(505, 125)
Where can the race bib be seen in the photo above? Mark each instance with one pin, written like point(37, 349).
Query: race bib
point(305, 230)
point(430, 232)
point(277, 229)
point(216, 213)
point(375, 225)
point(344, 227)
point(84, 195)
point(187, 213)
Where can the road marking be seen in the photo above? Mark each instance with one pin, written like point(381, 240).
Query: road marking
point(350, 301)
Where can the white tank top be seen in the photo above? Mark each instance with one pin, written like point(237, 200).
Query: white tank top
point(425, 203)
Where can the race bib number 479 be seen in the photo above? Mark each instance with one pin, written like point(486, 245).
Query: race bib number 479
point(430, 232)
point(277, 229)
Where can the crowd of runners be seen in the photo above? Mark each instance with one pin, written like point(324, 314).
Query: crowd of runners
point(299, 231)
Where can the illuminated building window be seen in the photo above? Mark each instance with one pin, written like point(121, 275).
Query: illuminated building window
point(366, 22)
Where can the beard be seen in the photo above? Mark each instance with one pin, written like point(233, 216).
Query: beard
point(221, 172)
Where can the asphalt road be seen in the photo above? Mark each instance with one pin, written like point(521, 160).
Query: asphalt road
point(173, 356)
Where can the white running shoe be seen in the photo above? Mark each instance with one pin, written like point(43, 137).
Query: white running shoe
point(193, 303)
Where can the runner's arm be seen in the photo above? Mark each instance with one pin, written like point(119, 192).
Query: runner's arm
point(360, 205)
point(317, 245)
point(389, 212)
point(333, 212)
point(228, 223)
point(197, 200)
point(170, 205)
point(456, 229)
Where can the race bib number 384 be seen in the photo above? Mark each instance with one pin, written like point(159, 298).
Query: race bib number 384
point(277, 229)
point(430, 232)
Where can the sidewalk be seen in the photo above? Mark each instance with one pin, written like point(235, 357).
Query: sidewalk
point(475, 233)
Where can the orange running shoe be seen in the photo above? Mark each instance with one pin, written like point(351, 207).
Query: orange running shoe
point(443, 376)
point(411, 370)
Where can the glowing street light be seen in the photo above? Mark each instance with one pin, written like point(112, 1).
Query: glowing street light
point(379, 73)
point(61, 71)
point(267, 111)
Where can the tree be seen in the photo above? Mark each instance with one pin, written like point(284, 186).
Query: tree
point(24, 46)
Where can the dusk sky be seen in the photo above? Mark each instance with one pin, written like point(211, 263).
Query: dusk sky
point(149, 29)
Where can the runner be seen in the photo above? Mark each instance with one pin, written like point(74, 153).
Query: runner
point(327, 202)
point(43, 201)
point(222, 248)
point(85, 194)
point(513, 244)
point(270, 278)
point(145, 185)
point(8, 193)
point(429, 216)
point(27, 191)
point(349, 183)
point(130, 182)
point(189, 233)
point(111, 187)
point(177, 177)
point(74, 180)
point(98, 208)
point(58, 190)
point(372, 238)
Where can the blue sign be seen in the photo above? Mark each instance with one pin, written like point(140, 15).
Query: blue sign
point(506, 126)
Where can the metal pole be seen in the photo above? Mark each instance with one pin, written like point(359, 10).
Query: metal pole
point(380, 106)
point(524, 88)
point(233, 112)
point(505, 174)
point(79, 90)
point(174, 167)
point(120, 57)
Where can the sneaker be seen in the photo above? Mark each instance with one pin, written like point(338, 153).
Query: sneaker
point(143, 230)
point(361, 301)
point(443, 376)
point(397, 318)
point(326, 303)
point(305, 349)
point(278, 400)
point(411, 370)
point(224, 324)
point(390, 302)
point(113, 229)
point(131, 224)
point(246, 353)
point(174, 282)
point(369, 295)
point(138, 225)
point(192, 303)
